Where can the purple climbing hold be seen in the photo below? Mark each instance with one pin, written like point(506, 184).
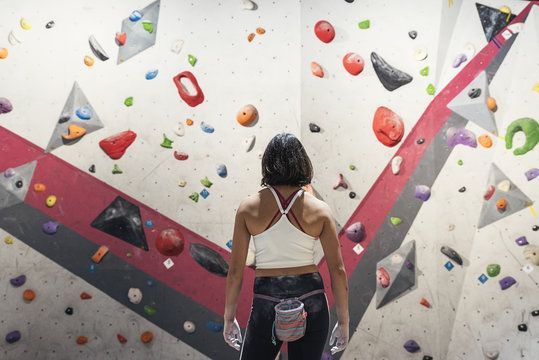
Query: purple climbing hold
point(409, 265)
point(50, 227)
point(9, 172)
point(422, 192)
point(459, 60)
point(532, 174)
point(521, 241)
point(507, 282)
point(356, 232)
point(13, 336)
point(5, 106)
point(461, 136)
point(18, 281)
point(412, 346)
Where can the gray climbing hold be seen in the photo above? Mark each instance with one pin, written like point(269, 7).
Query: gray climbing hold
point(412, 34)
point(474, 92)
point(96, 48)
point(222, 171)
point(314, 128)
point(390, 77)
point(452, 254)
point(209, 259)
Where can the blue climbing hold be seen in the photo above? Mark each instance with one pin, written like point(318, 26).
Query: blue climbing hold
point(84, 113)
point(206, 127)
point(214, 326)
point(483, 278)
point(136, 15)
point(204, 193)
point(150, 283)
point(92, 268)
point(221, 170)
point(229, 244)
point(149, 223)
point(151, 74)
point(449, 266)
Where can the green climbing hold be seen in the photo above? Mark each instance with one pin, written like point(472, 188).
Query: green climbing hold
point(493, 270)
point(365, 24)
point(148, 26)
point(530, 128)
point(192, 59)
point(431, 89)
point(424, 71)
point(167, 143)
point(150, 310)
point(128, 101)
point(194, 196)
point(395, 220)
point(206, 182)
point(116, 169)
point(352, 167)
point(460, 162)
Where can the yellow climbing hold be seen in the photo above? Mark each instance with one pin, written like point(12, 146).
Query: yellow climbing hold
point(505, 9)
point(3, 53)
point(25, 24)
point(536, 87)
point(88, 60)
point(8, 240)
point(50, 201)
point(485, 140)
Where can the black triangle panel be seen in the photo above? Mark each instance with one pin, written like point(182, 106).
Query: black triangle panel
point(492, 20)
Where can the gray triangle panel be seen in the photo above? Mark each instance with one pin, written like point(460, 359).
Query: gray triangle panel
point(13, 188)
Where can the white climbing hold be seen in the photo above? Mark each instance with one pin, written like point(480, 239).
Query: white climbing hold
point(249, 143)
point(249, 5)
point(134, 295)
point(177, 45)
point(420, 54)
point(504, 185)
point(396, 164)
point(180, 129)
point(189, 326)
point(182, 183)
point(13, 40)
point(396, 259)
point(469, 51)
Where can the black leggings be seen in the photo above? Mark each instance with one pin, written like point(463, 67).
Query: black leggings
point(257, 343)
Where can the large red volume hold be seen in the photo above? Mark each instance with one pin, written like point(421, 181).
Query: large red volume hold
point(114, 146)
point(324, 31)
point(170, 242)
point(191, 100)
point(388, 126)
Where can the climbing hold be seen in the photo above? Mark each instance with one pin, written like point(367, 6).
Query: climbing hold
point(247, 115)
point(535, 313)
point(13, 336)
point(251, 37)
point(189, 122)
point(314, 128)
point(167, 143)
point(474, 93)
point(50, 227)
point(420, 54)
point(459, 59)
point(221, 170)
point(5, 105)
point(396, 163)
point(532, 174)
point(50, 201)
point(522, 327)
point(395, 220)
point(501, 204)
point(28, 295)
point(352, 167)
point(491, 104)
point(425, 303)
point(146, 337)
point(116, 145)
point(493, 270)
point(151, 74)
point(180, 156)
point(121, 38)
point(365, 24)
point(260, 31)
point(249, 5)
point(531, 253)
point(92, 168)
point(353, 63)
point(194, 196)
point(13, 40)
point(176, 46)
point(431, 89)
point(521, 241)
point(462, 189)
point(74, 132)
point(81, 340)
point(9, 172)
point(150, 310)
point(355, 232)
point(148, 26)
point(412, 346)
point(424, 71)
point(19, 184)
point(179, 130)
point(134, 295)
point(136, 15)
point(25, 25)
point(427, 357)
point(229, 244)
point(97, 49)
point(382, 276)
point(191, 59)
point(99, 254)
point(324, 31)
point(461, 136)
point(149, 223)
point(69, 310)
point(390, 77)
point(412, 34)
point(485, 140)
point(249, 142)
point(422, 192)
point(530, 127)
point(84, 113)
point(88, 60)
point(208, 259)
point(214, 326)
point(504, 185)
point(3, 53)
point(116, 169)
point(191, 100)
point(536, 87)
point(490, 191)
point(507, 282)
point(85, 296)
point(170, 242)
point(352, 194)
point(341, 183)
point(206, 182)
point(204, 193)
point(8, 240)
point(50, 24)
point(535, 227)
point(189, 327)
point(452, 254)
point(482, 278)
point(18, 281)
point(388, 126)
point(317, 70)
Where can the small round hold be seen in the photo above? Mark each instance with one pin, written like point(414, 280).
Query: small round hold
point(49, 25)
point(189, 327)
point(352, 194)
point(522, 327)
point(420, 141)
point(473, 93)
point(92, 168)
point(462, 189)
point(535, 312)
point(69, 310)
point(535, 227)
point(427, 357)
point(420, 54)
point(19, 184)
point(314, 128)
point(349, 1)
point(412, 34)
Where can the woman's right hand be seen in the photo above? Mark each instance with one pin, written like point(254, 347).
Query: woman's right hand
point(339, 336)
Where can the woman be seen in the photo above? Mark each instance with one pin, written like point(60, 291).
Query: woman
point(284, 258)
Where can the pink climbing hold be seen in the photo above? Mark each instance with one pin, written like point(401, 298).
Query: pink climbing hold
point(5, 106)
point(341, 183)
point(355, 232)
point(382, 276)
point(353, 63)
point(317, 70)
point(324, 31)
point(490, 191)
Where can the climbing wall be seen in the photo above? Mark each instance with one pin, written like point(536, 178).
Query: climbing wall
point(129, 132)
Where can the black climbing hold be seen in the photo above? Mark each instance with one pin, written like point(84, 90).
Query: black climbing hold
point(314, 128)
point(390, 77)
point(121, 219)
point(535, 312)
point(462, 189)
point(535, 227)
point(69, 310)
point(209, 259)
point(493, 20)
point(427, 357)
point(420, 141)
point(412, 34)
point(349, 1)
point(352, 194)
point(92, 168)
point(63, 119)
point(50, 24)
point(522, 327)
point(19, 184)
point(452, 254)
point(473, 93)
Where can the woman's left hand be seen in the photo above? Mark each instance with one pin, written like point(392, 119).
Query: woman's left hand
point(232, 334)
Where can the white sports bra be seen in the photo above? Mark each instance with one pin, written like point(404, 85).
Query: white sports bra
point(283, 245)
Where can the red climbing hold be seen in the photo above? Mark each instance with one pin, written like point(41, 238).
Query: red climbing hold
point(383, 277)
point(191, 99)
point(122, 339)
point(353, 63)
point(388, 126)
point(170, 242)
point(114, 146)
point(85, 296)
point(121, 38)
point(180, 155)
point(425, 302)
point(324, 31)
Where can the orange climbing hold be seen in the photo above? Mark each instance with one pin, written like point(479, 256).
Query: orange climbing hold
point(28, 295)
point(85, 296)
point(247, 115)
point(88, 60)
point(98, 255)
point(3, 53)
point(251, 37)
point(501, 204)
point(81, 340)
point(491, 104)
point(146, 337)
point(485, 140)
point(39, 187)
point(189, 122)
point(317, 70)
point(425, 302)
point(74, 132)
point(260, 30)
